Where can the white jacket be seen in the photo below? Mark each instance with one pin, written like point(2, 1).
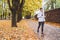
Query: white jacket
point(40, 16)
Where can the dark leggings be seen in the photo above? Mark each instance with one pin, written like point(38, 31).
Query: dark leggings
point(42, 26)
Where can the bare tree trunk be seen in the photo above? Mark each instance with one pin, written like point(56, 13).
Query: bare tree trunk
point(52, 5)
point(20, 11)
point(16, 8)
point(14, 19)
point(13, 10)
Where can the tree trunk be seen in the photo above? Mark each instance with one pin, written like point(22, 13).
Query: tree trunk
point(52, 5)
point(19, 15)
point(16, 8)
point(14, 19)
point(13, 10)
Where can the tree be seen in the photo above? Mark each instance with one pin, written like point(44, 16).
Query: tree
point(51, 4)
point(16, 8)
point(20, 9)
point(31, 6)
point(13, 9)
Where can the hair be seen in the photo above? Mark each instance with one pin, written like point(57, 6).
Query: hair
point(40, 8)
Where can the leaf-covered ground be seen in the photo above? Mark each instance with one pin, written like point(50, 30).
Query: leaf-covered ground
point(22, 32)
point(54, 24)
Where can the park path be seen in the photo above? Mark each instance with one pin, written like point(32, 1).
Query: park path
point(51, 33)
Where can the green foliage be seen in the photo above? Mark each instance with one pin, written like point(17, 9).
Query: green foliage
point(0, 7)
point(52, 4)
point(57, 3)
point(31, 5)
point(3, 8)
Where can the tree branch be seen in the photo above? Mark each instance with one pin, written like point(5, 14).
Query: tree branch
point(22, 3)
point(10, 7)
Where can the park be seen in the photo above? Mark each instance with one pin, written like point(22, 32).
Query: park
point(17, 21)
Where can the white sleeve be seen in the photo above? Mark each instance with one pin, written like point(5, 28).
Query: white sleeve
point(44, 15)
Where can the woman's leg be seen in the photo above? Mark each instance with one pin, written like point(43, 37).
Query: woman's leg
point(39, 23)
point(42, 28)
